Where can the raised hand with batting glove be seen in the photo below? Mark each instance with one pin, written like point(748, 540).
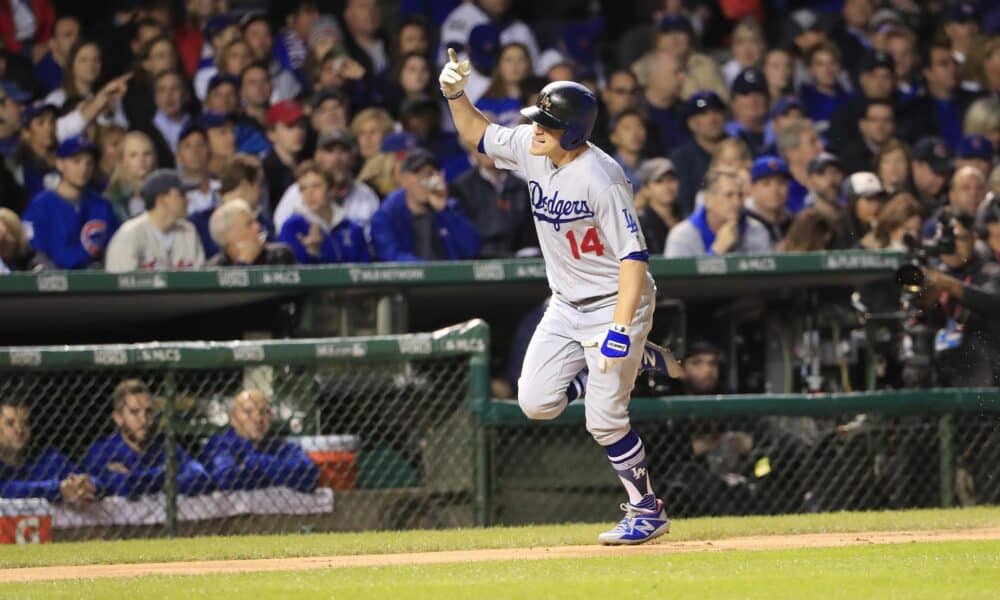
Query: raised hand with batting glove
point(454, 76)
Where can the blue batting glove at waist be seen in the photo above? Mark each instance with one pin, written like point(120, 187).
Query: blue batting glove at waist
point(616, 343)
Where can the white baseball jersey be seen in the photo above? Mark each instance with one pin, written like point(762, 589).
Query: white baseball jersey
point(584, 214)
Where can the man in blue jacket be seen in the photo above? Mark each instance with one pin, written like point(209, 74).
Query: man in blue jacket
point(70, 224)
point(45, 474)
point(418, 221)
point(245, 456)
point(132, 462)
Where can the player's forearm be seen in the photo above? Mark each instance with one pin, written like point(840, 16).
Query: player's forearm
point(469, 122)
point(631, 282)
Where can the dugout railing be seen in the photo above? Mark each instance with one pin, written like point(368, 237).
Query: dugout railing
point(403, 434)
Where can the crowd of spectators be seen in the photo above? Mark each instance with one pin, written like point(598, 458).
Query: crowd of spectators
point(166, 137)
point(159, 136)
point(245, 455)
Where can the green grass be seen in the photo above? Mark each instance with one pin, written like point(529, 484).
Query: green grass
point(206, 548)
point(932, 570)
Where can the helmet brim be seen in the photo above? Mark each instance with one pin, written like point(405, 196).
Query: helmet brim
point(542, 118)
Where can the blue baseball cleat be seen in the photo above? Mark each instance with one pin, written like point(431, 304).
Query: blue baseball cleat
point(657, 358)
point(638, 526)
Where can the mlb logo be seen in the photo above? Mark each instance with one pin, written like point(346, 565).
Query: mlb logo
point(25, 529)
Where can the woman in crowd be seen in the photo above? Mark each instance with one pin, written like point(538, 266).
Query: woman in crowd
point(80, 77)
point(748, 50)
point(779, 71)
point(509, 86)
point(138, 160)
point(320, 232)
point(369, 127)
point(628, 136)
point(810, 231)
point(902, 215)
point(156, 56)
point(411, 80)
point(109, 140)
point(892, 165)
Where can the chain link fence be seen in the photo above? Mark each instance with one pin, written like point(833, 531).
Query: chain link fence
point(311, 435)
point(396, 432)
point(745, 455)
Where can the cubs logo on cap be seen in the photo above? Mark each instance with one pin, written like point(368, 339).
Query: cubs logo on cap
point(768, 166)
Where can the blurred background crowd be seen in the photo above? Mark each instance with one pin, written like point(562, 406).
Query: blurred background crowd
point(159, 134)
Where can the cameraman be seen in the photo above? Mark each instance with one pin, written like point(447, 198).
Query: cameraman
point(961, 299)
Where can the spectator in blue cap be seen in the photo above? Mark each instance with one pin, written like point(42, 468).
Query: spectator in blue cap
point(579, 41)
point(961, 27)
point(457, 27)
point(419, 221)
point(219, 32)
point(706, 118)
point(70, 224)
point(222, 94)
point(12, 102)
point(975, 151)
point(36, 157)
point(220, 131)
point(749, 105)
point(483, 50)
point(932, 166)
point(767, 203)
point(787, 109)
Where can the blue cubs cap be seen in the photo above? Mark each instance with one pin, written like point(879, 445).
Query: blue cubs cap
point(785, 104)
point(703, 101)
point(933, 151)
point(13, 91)
point(975, 146)
point(162, 181)
point(192, 126)
point(399, 141)
point(208, 120)
point(417, 159)
point(484, 47)
point(749, 81)
point(37, 109)
point(963, 11)
point(217, 25)
point(72, 146)
point(222, 79)
point(876, 60)
point(676, 23)
point(768, 166)
point(579, 40)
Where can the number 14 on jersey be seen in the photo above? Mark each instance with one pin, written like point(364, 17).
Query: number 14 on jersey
point(591, 243)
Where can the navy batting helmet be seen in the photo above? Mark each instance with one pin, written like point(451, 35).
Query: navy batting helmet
point(565, 105)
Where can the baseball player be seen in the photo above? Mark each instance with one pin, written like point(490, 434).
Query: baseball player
point(597, 266)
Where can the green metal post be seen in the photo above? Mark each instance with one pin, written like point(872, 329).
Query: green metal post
point(170, 448)
point(479, 399)
point(946, 451)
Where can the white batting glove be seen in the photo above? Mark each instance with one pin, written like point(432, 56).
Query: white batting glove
point(454, 75)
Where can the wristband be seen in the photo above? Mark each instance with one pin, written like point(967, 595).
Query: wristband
point(454, 96)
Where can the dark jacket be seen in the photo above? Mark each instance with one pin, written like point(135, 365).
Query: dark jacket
point(275, 253)
point(393, 238)
point(236, 463)
point(502, 219)
point(691, 162)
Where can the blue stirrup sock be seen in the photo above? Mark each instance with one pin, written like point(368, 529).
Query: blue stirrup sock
point(628, 458)
point(577, 387)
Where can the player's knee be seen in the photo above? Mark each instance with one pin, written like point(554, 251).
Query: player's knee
point(540, 406)
point(608, 432)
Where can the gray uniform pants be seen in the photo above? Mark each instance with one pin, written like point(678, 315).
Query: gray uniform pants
point(556, 354)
